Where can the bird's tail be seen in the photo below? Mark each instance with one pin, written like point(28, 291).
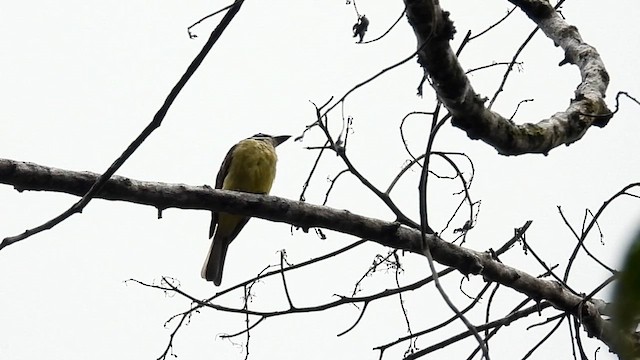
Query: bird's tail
point(213, 265)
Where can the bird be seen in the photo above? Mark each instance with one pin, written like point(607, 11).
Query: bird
point(249, 166)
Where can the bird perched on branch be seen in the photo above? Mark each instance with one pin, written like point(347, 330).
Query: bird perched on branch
point(249, 166)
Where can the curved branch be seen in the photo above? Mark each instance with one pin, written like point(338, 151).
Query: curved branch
point(433, 30)
point(386, 32)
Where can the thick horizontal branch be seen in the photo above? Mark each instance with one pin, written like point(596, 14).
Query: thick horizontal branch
point(29, 176)
point(433, 30)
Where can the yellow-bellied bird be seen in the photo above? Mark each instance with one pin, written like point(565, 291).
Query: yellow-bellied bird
point(249, 166)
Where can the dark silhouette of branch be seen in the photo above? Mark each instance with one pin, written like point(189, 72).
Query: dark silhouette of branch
point(183, 319)
point(284, 280)
point(548, 320)
point(518, 107)
point(498, 327)
point(424, 175)
point(265, 274)
point(387, 31)
point(529, 249)
point(542, 341)
point(377, 261)
point(465, 189)
point(576, 327)
point(426, 229)
point(193, 36)
point(341, 151)
point(511, 65)
point(402, 137)
point(364, 308)
point(399, 290)
point(586, 231)
point(306, 184)
point(475, 301)
point(501, 322)
point(405, 314)
point(483, 67)
point(380, 73)
point(492, 26)
point(333, 182)
point(184, 315)
point(101, 181)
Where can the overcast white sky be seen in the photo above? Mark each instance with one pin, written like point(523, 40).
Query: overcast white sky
point(79, 80)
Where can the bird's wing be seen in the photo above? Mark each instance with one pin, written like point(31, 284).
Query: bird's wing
point(222, 173)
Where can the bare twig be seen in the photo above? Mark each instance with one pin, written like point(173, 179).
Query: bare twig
point(542, 341)
point(193, 36)
point(494, 24)
point(364, 308)
point(494, 324)
point(284, 281)
point(586, 231)
point(388, 29)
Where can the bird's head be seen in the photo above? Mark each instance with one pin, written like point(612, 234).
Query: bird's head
point(275, 140)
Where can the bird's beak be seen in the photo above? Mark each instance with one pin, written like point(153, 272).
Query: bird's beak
point(277, 140)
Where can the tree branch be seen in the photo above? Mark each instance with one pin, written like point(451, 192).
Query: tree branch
point(29, 176)
point(433, 30)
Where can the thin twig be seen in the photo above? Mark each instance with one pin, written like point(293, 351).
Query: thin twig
point(543, 340)
point(192, 36)
point(492, 325)
point(388, 30)
point(590, 226)
point(284, 281)
point(364, 308)
point(510, 67)
point(494, 24)
point(155, 123)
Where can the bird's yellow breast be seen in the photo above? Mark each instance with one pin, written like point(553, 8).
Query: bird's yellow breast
point(252, 168)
